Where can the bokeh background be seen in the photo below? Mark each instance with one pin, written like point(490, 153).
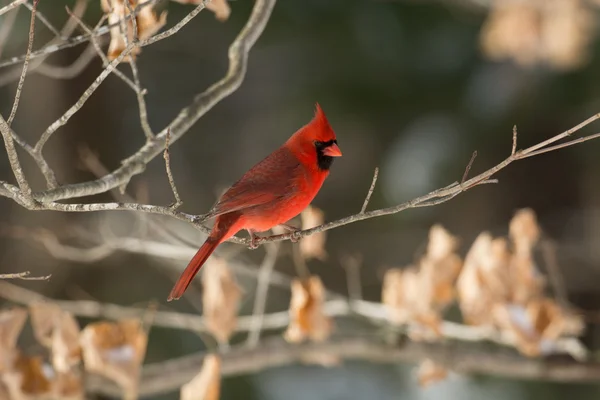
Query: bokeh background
point(406, 85)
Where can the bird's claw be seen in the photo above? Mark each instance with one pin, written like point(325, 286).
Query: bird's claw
point(253, 241)
point(293, 231)
point(295, 236)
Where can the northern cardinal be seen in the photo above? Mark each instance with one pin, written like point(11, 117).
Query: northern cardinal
point(272, 192)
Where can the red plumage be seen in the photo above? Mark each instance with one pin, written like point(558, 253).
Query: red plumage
point(272, 192)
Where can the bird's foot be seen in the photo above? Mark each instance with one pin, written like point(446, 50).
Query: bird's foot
point(253, 240)
point(295, 232)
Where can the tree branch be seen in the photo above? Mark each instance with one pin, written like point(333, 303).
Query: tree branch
point(465, 358)
point(187, 117)
point(15, 164)
point(13, 111)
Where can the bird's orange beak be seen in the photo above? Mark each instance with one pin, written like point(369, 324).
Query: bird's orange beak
point(332, 151)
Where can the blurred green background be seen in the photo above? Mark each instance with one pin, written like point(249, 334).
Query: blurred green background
point(406, 88)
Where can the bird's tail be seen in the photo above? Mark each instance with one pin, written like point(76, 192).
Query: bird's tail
point(193, 267)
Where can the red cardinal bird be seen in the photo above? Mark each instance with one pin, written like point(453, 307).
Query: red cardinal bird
point(272, 192)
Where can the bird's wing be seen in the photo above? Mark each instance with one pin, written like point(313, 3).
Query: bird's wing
point(271, 180)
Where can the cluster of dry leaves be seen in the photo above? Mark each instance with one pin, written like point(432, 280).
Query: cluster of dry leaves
point(147, 21)
point(114, 350)
point(557, 33)
point(497, 286)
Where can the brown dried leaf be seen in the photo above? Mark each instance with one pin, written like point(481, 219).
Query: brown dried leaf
point(207, 384)
point(33, 380)
point(66, 352)
point(429, 373)
point(420, 294)
point(57, 330)
point(219, 7)
point(400, 293)
point(44, 315)
point(148, 23)
point(537, 325)
point(115, 350)
point(313, 246)
point(306, 311)
point(441, 244)
point(441, 266)
point(484, 280)
point(11, 325)
point(526, 282)
point(221, 298)
point(524, 231)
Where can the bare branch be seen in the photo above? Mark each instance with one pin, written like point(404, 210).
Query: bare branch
point(136, 79)
point(167, 158)
point(53, 46)
point(465, 358)
point(238, 58)
point(10, 76)
point(96, 45)
point(84, 97)
point(514, 142)
point(15, 164)
point(375, 312)
point(25, 276)
point(42, 18)
point(468, 168)
point(13, 112)
point(370, 192)
point(561, 146)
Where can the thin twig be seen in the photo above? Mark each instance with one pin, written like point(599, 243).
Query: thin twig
point(136, 78)
point(561, 146)
point(53, 47)
point(514, 141)
point(167, 158)
point(262, 289)
point(238, 58)
point(82, 100)
point(25, 276)
point(13, 158)
point(468, 168)
point(97, 46)
point(370, 192)
point(42, 18)
point(36, 62)
point(13, 112)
